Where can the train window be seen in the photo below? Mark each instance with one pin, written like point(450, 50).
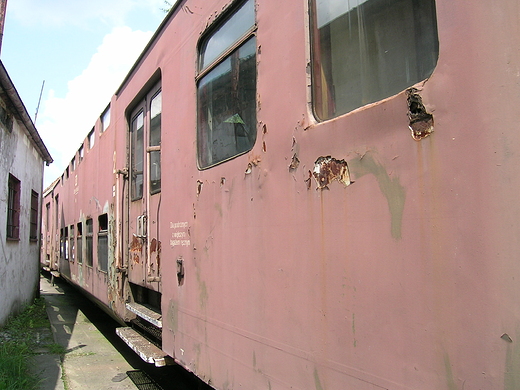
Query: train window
point(91, 139)
point(72, 240)
point(103, 243)
point(79, 243)
point(226, 90)
point(368, 50)
point(89, 242)
point(155, 143)
point(80, 153)
point(105, 119)
point(136, 155)
point(66, 243)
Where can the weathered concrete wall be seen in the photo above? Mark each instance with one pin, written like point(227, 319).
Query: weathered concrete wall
point(19, 260)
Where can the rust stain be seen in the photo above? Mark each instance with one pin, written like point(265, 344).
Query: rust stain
point(421, 121)
point(158, 255)
point(153, 245)
point(327, 169)
point(136, 247)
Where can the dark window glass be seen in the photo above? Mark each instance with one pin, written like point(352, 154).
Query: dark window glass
point(89, 243)
point(79, 243)
point(72, 240)
point(367, 50)
point(137, 156)
point(33, 231)
point(103, 242)
point(13, 209)
point(155, 143)
point(226, 92)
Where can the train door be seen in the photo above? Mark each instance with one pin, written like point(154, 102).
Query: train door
point(145, 195)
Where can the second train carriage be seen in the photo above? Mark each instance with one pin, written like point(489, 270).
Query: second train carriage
point(309, 195)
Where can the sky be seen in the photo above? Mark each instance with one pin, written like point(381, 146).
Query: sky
point(82, 50)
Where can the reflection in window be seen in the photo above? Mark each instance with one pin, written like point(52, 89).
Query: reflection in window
point(368, 50)
point(137, 150)
point(227, 92)
point(155, 141)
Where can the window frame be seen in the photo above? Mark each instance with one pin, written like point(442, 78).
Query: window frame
point(33, 223)
point(13, 209)
point(375, 92)
point(204, 69)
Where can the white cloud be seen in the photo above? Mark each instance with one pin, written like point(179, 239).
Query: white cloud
point(64, 122)
point(59, 13)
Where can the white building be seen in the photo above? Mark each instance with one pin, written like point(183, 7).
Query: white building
point(22, 158)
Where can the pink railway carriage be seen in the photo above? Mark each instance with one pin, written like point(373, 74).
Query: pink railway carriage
point(314, 194)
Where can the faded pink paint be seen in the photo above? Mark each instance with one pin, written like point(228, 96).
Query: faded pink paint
point(406, 279)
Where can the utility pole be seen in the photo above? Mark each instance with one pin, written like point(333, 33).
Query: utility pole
point(3, 7)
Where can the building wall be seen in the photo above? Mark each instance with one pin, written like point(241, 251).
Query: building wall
point(18, 259)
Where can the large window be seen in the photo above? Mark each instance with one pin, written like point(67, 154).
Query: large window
point(226, 90)
point(13, 209)
point(33, 231)
point(368, 50)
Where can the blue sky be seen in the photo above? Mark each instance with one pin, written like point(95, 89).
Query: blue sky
point(83, 50)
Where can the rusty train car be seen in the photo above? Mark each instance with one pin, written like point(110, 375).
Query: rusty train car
point(309, 194)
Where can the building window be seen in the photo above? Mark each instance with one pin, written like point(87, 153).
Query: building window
point(79, 243)
point(226, 89)
point(91, 139)
point(13, 208)
point(367, 50)
point(105, 119)
point(155, 143)
point(33, 231)
point(89, 243)
point(103, 243)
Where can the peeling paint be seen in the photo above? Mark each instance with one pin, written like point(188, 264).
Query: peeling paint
point(421, 121)
point(327, 169)
point(391, 188)
point(199, 187)
point(295, 163)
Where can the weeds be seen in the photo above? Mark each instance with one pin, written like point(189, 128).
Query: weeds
point(17, 342)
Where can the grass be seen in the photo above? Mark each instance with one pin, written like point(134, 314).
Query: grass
point(17, 342)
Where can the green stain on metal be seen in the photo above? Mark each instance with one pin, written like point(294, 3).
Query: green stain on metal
point(450, 381)
point(512, 373)
point(354, 329)
point(317, 381)
point(390, 187)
